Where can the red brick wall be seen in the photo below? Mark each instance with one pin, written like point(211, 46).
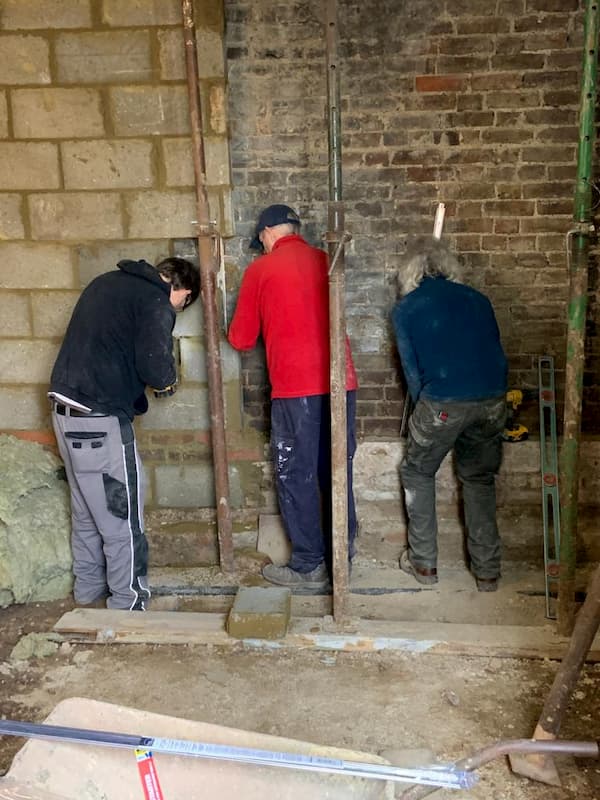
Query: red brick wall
point(458, 101)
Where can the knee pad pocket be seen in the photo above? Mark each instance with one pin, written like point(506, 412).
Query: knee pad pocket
point(117, 500)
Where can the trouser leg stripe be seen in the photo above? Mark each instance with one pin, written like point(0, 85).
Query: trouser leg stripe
point(139, 565)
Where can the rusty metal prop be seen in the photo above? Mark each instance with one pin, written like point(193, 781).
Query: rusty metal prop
point(541, 767)
point(337, 329)
point(506, 748)
point(578, 242)
point(208, 271)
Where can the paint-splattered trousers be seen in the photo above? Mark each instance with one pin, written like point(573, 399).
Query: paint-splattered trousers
point(474, 431)
point(301, 448)
point(110, 549)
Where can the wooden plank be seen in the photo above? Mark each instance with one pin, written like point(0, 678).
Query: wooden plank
point(156, 627)
point(172, 627)
point(500, 641)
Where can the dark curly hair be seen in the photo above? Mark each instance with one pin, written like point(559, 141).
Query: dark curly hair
point(181, 274)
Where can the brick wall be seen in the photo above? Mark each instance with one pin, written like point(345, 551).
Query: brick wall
point(471, 104)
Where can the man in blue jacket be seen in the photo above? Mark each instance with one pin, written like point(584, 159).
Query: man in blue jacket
point(456, 372)
point(119, 341)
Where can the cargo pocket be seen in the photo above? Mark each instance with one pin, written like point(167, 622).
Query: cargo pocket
point(422, 424)
point(117, 501)
point(88, 451)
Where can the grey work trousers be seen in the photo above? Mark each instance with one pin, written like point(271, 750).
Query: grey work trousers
point(474, 431)
point(110, 549)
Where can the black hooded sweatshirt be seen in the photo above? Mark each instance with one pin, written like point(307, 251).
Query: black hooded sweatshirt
point(119, 341)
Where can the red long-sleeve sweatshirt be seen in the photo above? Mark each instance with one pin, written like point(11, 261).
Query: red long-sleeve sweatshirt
point(284, 297)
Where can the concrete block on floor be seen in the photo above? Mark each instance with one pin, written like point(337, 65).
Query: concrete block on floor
point(272, 539)
point(260, 613)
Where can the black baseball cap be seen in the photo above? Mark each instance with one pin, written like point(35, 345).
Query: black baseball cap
point(271, 216)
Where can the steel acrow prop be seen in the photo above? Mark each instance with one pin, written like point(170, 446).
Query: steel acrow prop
point(541, 767)
point(208, 272)
point(578, 248)
point(336, 237)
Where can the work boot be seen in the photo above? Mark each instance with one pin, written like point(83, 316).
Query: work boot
point(487, 584)
point(425, 576)
point(317, 578)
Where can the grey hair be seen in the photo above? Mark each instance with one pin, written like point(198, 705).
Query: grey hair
point(427, 257)
point(287, 228)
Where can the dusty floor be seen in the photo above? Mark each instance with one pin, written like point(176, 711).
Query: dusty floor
point(382, 703)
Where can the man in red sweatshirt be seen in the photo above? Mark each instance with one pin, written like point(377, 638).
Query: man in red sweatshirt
point(284, 297)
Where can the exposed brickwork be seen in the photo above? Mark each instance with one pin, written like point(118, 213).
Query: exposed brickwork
point(440, 83)
point(470, 104)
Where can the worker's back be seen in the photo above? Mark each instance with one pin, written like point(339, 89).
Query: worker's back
point(449, 342)
point(285, 297)
point(118, 340)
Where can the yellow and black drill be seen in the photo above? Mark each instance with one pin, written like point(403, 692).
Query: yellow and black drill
point(514, 431)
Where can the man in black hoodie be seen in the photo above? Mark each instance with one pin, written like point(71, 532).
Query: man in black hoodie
point(118, 342)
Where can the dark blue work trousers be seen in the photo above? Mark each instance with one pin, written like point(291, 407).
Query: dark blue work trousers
point(301, 447)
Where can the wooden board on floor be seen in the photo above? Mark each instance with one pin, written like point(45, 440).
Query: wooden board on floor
point(316, 633)
point(150, 627)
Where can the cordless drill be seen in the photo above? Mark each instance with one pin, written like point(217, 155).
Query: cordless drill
point(514, 431)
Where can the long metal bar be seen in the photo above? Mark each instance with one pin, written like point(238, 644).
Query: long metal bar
point(582, 216)
point(549, 470)
point(436, 775)
point(504, 748)
point(208, 273)
point(337, 328)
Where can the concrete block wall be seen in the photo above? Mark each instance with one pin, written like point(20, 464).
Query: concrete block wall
point(96, 166)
